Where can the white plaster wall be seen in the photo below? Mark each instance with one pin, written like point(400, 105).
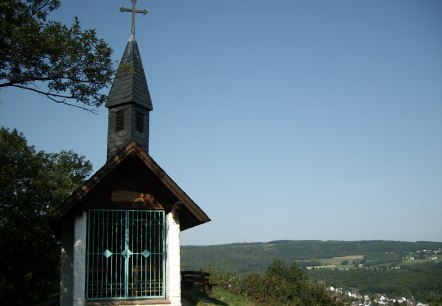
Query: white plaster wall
point(173, 265)
point(79, 261)
point(66, 263)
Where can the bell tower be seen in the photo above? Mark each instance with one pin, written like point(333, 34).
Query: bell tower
point(129, 101)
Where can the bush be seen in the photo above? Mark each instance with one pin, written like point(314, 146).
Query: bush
point(279, 285)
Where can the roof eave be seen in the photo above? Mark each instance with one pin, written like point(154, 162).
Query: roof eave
point(198, 215)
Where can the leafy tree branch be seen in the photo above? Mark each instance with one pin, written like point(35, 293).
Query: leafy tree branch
point(68, 65)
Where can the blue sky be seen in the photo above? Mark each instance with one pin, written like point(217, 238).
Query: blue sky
point(282, 119)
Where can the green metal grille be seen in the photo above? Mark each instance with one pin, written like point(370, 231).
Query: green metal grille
point(126, 254)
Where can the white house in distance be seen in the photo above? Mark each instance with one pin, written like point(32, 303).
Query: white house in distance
point(120, 231)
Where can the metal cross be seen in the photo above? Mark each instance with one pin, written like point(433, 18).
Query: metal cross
point(133, 10)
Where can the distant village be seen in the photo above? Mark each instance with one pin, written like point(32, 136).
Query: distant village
point(382, 299)
point(424, 254)
point(375, 299)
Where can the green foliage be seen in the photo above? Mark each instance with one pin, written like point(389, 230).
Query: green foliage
point(419, 278)
point(421, 282)
point(436, 300)
point(31, 185)
point(256, 257)
point(66, 64)
point(279, 285)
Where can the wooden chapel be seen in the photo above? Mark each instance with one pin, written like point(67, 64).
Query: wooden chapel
point(120, 231)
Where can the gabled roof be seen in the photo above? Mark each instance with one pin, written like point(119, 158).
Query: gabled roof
point(189, 212)
point(130, 85)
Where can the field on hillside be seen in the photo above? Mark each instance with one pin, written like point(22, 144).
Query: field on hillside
point(337, 262)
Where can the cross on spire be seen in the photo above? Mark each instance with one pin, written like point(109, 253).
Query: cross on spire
point(133, 10)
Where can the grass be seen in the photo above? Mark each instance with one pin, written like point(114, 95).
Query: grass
point(196, 297)
point(335, 262)
point(338, 260)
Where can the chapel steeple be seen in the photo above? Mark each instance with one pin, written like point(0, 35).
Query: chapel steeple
point(129, 101)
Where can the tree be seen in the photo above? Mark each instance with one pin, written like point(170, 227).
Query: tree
point(31, 185)
point(66, 64)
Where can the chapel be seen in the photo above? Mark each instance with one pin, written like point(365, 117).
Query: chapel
point(120, 231)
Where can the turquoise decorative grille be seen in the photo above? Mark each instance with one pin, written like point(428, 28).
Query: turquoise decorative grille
point(126, 254)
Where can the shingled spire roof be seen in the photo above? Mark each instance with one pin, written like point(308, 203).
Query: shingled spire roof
point(130, 85)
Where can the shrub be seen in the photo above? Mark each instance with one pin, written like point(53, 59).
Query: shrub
point(279, 285)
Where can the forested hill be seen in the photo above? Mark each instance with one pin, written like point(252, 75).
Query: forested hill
point(254, 257)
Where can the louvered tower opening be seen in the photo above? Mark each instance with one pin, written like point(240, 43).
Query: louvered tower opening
point(139, 122)
point(119, 120)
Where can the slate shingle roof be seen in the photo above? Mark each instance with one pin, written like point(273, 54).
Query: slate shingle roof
point(130, 85)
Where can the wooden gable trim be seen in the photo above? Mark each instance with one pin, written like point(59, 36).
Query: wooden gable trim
point(173, 187)
point(185, 205)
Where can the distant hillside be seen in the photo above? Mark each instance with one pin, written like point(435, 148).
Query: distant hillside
point(255, 257)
